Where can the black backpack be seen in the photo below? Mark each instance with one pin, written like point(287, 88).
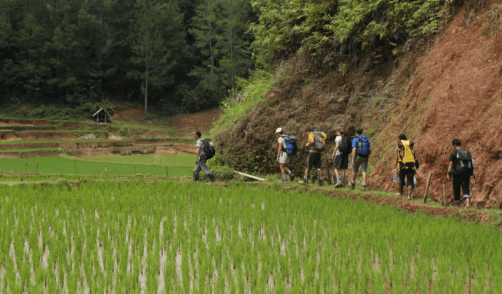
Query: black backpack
point(344, 145)
point(464, 162)
point(208, 150)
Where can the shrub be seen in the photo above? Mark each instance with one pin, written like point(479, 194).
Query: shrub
point(218, 168)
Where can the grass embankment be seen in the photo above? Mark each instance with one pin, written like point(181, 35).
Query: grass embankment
point(174, 140)
point(62, 165)
point(146, 159)
point(24, 127)
point(124, 129)
point(179, 236)
point(29, 150)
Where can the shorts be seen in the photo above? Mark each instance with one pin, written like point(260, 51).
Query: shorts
point(283, 158)
point(408, 174)
point(361, 161)
point(341, 162)
point(314, 159)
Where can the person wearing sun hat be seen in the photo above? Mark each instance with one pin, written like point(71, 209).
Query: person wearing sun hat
point(282, 156)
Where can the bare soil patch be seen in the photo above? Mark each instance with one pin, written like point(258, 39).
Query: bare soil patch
point(200, 121)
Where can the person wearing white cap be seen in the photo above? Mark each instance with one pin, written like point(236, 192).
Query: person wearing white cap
point(282, 156)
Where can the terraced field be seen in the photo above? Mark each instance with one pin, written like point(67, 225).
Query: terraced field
point(55, 147)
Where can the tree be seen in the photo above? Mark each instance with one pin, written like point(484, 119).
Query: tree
point(206, 40)
point(157, 35)
point(235, 21)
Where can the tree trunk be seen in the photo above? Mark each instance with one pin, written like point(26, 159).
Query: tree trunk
point(211, 50)
point(232, 56)
point(146, 81)
point(211, 47)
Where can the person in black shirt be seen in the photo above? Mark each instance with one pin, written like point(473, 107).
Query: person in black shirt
point(461, 178)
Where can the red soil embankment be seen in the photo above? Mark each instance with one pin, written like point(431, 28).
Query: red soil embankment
point(455, 93)
point(28, 146)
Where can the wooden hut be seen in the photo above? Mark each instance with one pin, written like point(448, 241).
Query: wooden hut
point(101, 116)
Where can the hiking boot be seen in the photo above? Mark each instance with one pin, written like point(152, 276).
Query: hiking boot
point(352, 186)
point(466, 196)
point(291, 177)
point(363, 188)
point(212, 178)
point(320, 183)
point(284, 181)
point(303, 182)
point(338, 184)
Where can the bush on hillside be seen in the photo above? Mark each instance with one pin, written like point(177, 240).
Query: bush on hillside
point(340, 27)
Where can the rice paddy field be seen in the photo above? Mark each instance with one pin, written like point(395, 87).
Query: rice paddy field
point(178, 165)
point(172, 237)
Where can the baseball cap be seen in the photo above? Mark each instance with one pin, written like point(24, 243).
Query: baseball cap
point(279, 130)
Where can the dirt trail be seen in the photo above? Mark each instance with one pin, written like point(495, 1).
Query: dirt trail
point(432, 90)
point(409, 206)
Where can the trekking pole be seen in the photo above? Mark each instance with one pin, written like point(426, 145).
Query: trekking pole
point(308, 167)
point(472, 195)
point(427, 188)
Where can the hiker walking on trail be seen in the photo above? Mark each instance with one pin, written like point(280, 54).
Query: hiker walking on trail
point(205, 151)
point(316, 144)
point(405, 164)
point(460, 170)
point(341, 157)
point(287, 146)
point(361, 149)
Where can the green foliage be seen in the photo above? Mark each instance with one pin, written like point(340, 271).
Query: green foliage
point(69, 53)
point(220, 36)
point(219, 169)
point(253, 91)
point(373, 129)
point(324, 25)
point(156, 42)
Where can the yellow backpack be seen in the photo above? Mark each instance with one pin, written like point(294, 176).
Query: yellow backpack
point(406, 155)
point(320, 138)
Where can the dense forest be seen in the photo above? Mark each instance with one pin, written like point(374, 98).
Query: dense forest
point(173, 55)
point(69, 57)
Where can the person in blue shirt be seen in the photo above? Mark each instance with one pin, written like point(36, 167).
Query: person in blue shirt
point(361, 149)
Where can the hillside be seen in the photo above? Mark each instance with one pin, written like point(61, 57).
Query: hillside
point(433, 90)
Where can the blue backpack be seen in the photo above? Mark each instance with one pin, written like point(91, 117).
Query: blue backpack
point(363, 145)
point(291, 148)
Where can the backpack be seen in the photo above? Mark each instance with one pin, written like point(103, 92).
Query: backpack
point(320, 137)
point(208, 150)
point(363, 145)
point(464, 162)
point(345, 145)
point(291, 148)
point(406, 155)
